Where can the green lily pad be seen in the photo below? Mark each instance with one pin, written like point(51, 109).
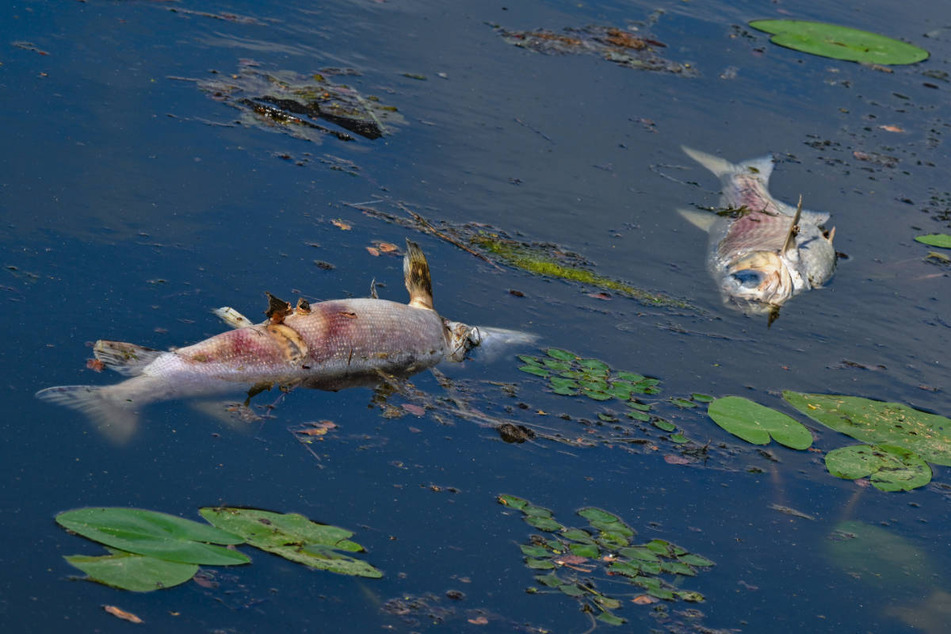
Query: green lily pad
point(940, 240)
point(294, 537)
point(158, 535)
point(891, 468)
point(840, 42)
point(880, 423)
point(756, 423)
point(137, 573)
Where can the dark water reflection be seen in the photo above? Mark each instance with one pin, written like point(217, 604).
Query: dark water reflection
point(132, 204)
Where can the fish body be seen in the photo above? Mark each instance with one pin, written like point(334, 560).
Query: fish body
point(762, 251)
point(328, 345)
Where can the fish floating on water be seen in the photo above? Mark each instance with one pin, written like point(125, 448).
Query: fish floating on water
point(763, 252)
point(328, 345)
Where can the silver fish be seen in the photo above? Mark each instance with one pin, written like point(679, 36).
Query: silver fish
point(328, 345)
point(764, 252)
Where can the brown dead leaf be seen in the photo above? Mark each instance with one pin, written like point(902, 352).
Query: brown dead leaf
point(119, 613)
point(340, 224)
point(95, 365)
point(386, 247)
point(373, 251)
point(644, 599)
point(479, 620)
point(676, 460)
point(316, 429)
point(892, 128)
point(414, 409)
point(601, 295)
point(570, 559)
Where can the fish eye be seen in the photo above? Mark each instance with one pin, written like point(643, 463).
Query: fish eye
point(748, 278)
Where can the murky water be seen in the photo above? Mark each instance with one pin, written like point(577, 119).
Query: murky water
point(132, 203)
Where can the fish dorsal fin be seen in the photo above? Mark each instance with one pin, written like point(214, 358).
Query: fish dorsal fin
point(790, 243)
point(416, 274)
point(277, 309)
point(700, 219)
point(127, 359)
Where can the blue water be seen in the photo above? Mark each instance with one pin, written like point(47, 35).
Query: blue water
point(132, 204)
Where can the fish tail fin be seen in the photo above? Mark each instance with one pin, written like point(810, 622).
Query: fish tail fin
point(113, 418)
point(720, 167)
point(127, 359)
point(724, 169)
point(416, 274)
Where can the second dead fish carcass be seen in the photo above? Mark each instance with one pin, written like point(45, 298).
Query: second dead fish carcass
point(328, 345)
point(762, 252)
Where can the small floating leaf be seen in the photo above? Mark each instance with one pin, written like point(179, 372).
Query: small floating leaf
point(940, 240)
point(840, 42)
point(880, 423)
point(891, 468)
point(138, 573)
point(537, 370)
point(563, 355)
point(756, 423)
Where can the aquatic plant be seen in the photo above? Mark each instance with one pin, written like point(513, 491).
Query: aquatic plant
point(572, 558)
point(151, 550)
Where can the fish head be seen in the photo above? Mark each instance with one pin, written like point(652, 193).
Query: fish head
point(462, 339)
point(758, 282)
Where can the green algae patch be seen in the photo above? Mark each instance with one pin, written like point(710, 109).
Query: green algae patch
point(539, 260)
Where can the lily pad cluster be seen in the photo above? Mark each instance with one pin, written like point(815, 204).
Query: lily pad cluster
point(568, 559)
point(899, 439)
point(150, 550)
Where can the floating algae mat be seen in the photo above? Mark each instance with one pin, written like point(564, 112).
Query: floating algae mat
point(630, 48)
point(310, 107)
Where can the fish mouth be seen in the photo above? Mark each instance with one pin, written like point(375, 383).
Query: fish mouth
point(759, 282)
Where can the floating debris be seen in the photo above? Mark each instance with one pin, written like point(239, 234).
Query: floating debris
point(627, 48)
point(304, 106)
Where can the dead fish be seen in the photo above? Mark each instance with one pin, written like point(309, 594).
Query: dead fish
point(762, 252)
point(328, 345)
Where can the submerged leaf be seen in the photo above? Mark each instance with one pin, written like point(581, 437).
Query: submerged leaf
point(756, 423)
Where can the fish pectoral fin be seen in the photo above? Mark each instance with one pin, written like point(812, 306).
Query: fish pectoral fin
point(127, 359)
point(232, 317)
point(700, 219)
point(830, 235)
point(790, 244)
point(416, 275)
